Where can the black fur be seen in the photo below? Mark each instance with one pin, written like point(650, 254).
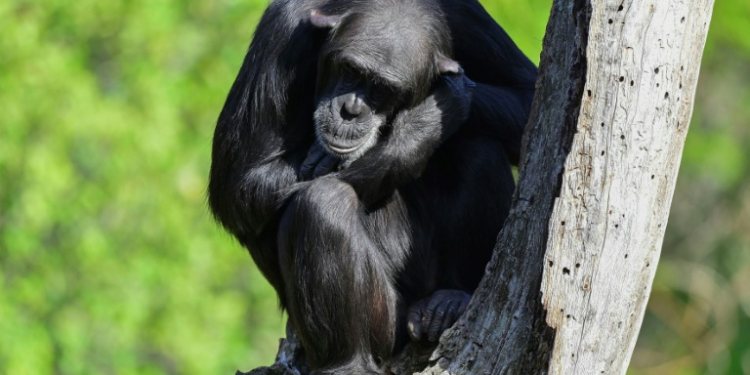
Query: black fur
point(357, 244)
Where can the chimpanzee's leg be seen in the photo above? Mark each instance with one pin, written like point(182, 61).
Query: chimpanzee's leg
point(468, 188)
point(338, 264)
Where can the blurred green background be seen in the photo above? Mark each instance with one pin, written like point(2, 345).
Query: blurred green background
point(110, 262)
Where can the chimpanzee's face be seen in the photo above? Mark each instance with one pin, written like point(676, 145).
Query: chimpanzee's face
point(374, 65)
point(352, 108)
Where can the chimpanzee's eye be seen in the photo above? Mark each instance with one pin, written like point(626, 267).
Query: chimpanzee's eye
point(348, 76)
point(378, 92)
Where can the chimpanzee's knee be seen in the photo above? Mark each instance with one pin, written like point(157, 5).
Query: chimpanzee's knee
point(325, 201)
point(338, 286)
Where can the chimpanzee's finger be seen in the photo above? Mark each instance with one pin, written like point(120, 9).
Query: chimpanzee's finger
point(438, 316)
point(451, 315)
point(464, 303)
point(314, 156)
point(428, 312)
point(414, 321)
point(326, 165)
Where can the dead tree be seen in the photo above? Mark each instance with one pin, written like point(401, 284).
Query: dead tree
point(566, 290)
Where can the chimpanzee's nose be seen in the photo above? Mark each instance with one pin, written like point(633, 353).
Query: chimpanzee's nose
point(353, 105)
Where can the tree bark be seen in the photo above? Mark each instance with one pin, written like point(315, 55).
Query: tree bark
point(567, 287)
point(608, 224)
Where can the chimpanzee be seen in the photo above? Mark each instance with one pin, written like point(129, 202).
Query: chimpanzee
point(365, 173)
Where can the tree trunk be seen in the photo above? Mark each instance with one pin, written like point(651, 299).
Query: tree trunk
point(608, 223)
point(566, 290)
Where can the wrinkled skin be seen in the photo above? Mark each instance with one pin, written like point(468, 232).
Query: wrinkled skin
point(430, 317)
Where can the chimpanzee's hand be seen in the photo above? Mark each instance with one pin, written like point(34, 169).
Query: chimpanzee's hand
point(430, 317)
point(453, 95)
point(460, 85)
point(318, 162)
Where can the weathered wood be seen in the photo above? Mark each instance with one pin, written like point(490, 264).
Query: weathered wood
point(608, 224)
point(290, 359)
point(601, 155)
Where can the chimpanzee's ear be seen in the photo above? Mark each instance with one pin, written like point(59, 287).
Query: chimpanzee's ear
point(323, 21)
point(448, 66)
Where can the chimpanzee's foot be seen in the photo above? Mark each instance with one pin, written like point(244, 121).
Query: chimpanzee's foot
point(430, 317)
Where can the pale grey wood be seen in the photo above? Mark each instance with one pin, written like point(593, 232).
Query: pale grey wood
point(595, 144)
point(608, 224)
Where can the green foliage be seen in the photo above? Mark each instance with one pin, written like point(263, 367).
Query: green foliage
point(110, 262)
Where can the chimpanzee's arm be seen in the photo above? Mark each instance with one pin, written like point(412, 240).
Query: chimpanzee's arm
point(402, 154)
point(264, 131)
point(265, 127)
point(501, 113)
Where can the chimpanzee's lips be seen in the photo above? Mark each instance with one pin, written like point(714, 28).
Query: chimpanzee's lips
point(342, 150)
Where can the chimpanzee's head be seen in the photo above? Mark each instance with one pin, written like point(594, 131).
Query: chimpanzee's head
point(377, 60)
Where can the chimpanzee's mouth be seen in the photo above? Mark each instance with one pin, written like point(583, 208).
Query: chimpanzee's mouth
point(346, 149)
point(343, 150)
